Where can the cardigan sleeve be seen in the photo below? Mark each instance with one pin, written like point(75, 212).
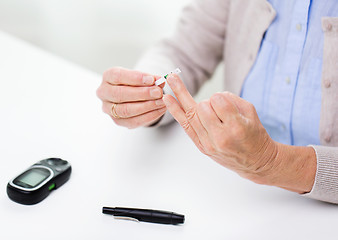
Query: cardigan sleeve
point(196, 46)
point(325, 187)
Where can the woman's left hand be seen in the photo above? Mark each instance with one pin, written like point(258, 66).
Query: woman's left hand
point(227, 129)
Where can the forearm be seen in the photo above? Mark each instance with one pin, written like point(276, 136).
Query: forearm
point(295, 168)
point(196, 46)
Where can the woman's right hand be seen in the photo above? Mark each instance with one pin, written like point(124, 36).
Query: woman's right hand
point(131, 98)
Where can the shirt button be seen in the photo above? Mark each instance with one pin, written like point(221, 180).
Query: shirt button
point(327, 138)
point(328, 27)
point(299, 27)
point(288, 80)
point(327, 83)
point(251, 57)
point(283, 127)
point(269, 9)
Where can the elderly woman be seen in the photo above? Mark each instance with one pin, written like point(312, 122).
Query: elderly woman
point(277, 124)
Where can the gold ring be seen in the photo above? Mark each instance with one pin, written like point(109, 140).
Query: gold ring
point(113, 111)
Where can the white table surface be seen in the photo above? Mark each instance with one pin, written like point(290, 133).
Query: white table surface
point(49, 108)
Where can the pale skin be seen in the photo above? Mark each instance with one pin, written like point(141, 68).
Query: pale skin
point(225, 127)
point(139, 101)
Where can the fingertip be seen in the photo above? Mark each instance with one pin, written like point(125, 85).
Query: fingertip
point(234, 98)
point(148, 80)
point(222, 105)
point(166, 99)
point(205, 104)
point(223, 97)
point(177, 85)
point(217, 100)
point(162, 110)
point(172, 80)
point(241, 104)
point(174, 75)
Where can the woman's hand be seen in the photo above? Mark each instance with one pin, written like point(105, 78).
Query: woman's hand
point(227, 129)
point(131, 98)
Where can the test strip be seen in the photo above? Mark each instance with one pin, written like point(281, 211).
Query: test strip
point(164, 78)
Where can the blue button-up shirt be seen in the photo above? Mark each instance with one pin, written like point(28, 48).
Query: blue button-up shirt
point(285, 82)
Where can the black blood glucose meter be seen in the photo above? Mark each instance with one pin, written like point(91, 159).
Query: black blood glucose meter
point(35, 184)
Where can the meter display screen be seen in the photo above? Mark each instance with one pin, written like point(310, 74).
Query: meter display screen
point(32, 177)
point(36, 183)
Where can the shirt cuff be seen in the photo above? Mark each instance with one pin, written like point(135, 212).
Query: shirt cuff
point(325, 187)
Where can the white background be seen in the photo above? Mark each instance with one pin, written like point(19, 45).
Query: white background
point(49, 109)
point(96, 34)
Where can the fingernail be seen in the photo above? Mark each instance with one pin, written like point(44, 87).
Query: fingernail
point(171, 79)
point(170, 76)
point(159, 102)
point(219, 98)
point(155, 93)
point(166, 100)
point(148, 80)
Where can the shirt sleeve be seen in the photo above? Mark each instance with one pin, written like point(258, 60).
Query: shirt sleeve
point(196, 47)
point(325, 187)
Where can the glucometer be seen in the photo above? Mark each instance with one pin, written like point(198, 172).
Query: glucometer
point(35, 184)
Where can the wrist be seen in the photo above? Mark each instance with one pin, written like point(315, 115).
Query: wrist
point(296, 168)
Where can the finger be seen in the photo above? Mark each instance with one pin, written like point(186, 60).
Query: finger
point(122, 76)
point(244, 107)
point(132, 109)
point(180, 91)
point(178, 113)
point(189, 106)
point(142, 120)
point(121, 94)
point(194, 120)
point(208, 117)
point(223, 106)
point(241, 106)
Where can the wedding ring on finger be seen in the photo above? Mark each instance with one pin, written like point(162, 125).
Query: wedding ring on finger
point(113, 111)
